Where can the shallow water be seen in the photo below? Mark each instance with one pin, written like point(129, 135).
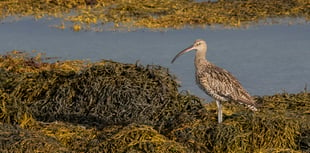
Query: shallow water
point(267, 59)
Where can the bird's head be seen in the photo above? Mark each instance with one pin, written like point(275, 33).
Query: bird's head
point(199, 45)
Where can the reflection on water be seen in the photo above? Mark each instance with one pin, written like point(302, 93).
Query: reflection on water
point(266, 59)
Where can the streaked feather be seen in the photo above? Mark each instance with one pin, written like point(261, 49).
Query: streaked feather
point(221, 84)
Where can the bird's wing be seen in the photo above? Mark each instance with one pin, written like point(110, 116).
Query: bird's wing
point(219, 82)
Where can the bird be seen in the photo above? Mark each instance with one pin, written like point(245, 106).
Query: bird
point(215, 81)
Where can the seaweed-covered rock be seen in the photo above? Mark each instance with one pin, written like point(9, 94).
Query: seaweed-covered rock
point(15, 139)
point(139, 138)
point(119, 107)
point(108, 94)
point(110, 139)
point(281, 125)
point(12, 110)
point(76, 138)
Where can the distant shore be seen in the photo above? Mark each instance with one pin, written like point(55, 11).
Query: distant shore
point(160, 14)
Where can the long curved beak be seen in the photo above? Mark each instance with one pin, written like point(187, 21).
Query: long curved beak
point(183, 52)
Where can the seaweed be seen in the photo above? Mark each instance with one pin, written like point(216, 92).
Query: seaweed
point(73, 137)
point(115, 107)
point(112, 94)
point(104, 94)
point(279, 128)
point(140, 138)
point(16, 139)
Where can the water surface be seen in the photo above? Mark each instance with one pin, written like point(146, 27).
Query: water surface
point(267, 59)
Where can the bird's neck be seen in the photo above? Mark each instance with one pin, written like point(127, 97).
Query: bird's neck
point(200, 56)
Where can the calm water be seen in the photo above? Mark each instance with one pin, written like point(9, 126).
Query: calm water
point(266, 59)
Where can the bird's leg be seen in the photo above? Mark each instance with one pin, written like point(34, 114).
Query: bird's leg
point(219, 113)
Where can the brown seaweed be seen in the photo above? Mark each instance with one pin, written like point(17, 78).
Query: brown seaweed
point(114, 107)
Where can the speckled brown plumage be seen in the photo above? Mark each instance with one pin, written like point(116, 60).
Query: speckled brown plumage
point(215, 81)
point(220, 84)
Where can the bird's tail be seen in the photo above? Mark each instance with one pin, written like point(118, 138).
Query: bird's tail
point(251, 104)
point(251, 107)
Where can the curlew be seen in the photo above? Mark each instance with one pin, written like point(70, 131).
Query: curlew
point(215, 81)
